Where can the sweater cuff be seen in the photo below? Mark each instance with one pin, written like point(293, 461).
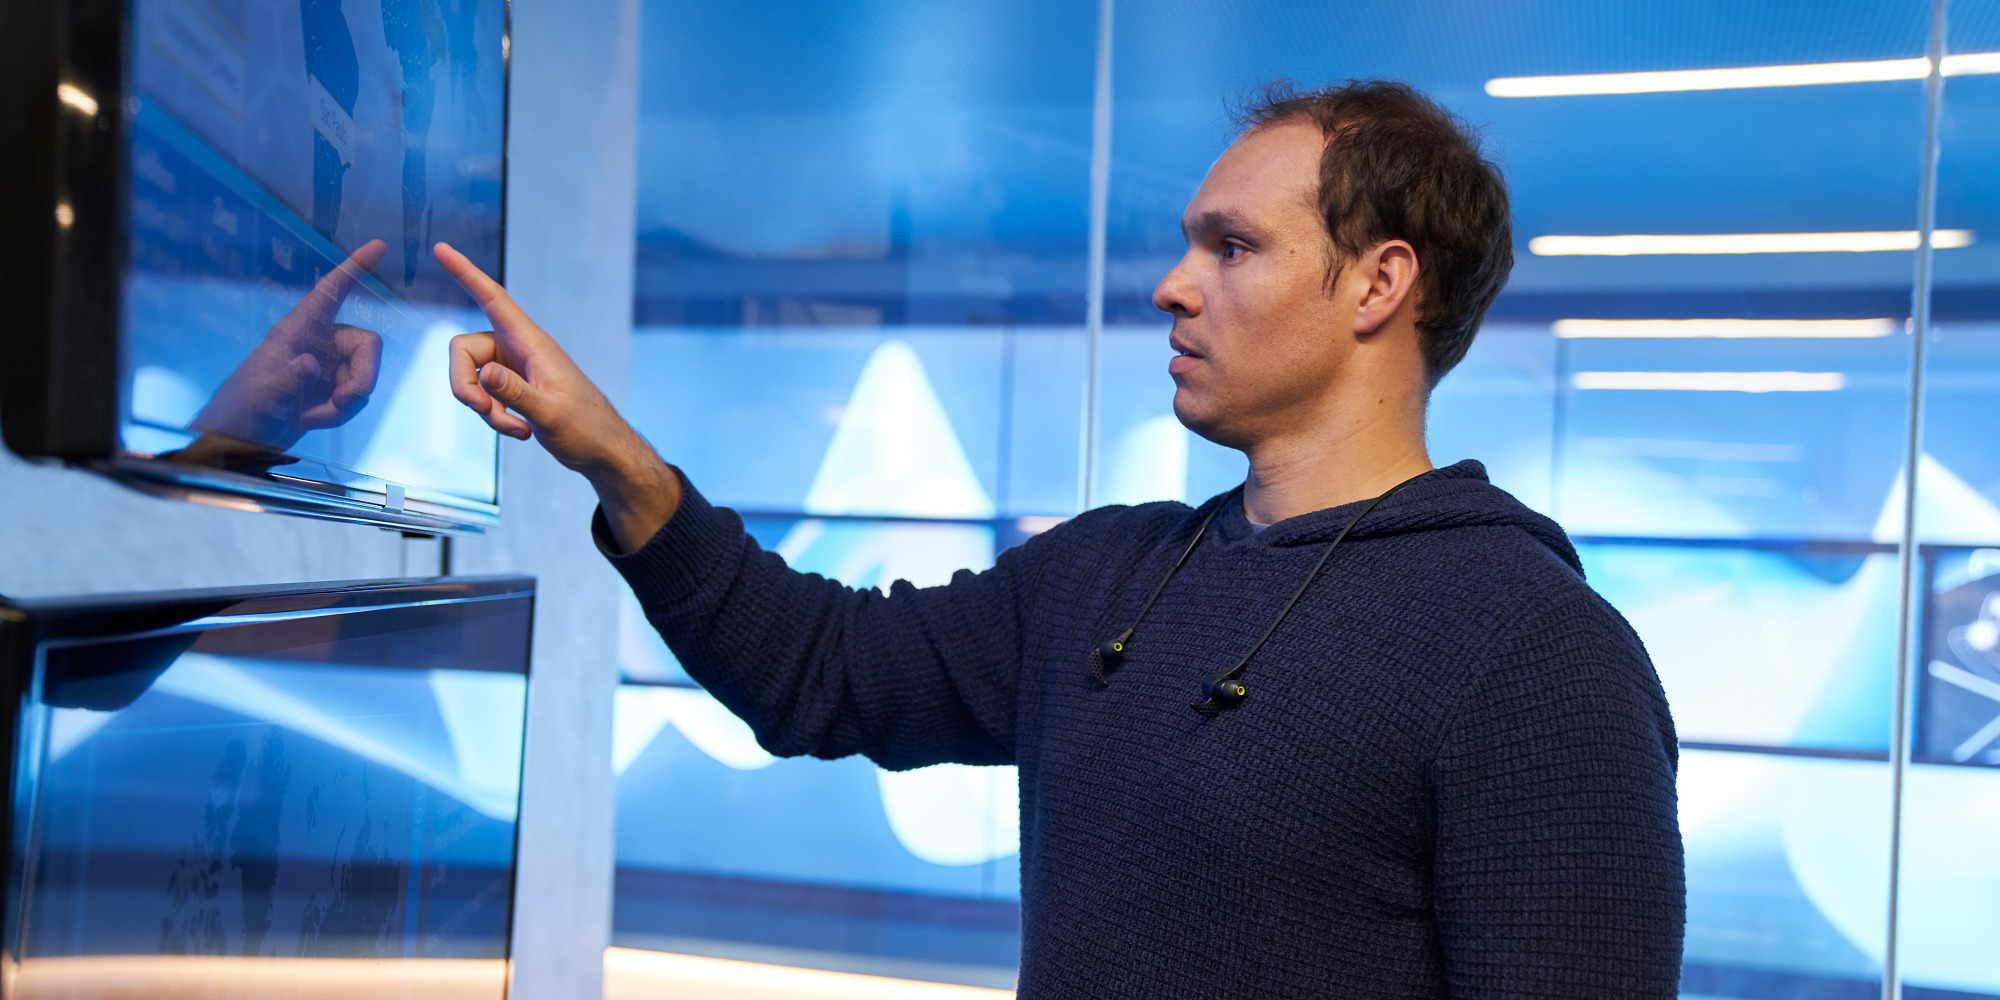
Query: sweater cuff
point(672, 563)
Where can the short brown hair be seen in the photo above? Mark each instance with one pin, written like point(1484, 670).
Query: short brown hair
point(1397, 166)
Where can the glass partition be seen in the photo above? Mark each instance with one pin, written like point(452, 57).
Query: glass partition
point(861, 307)
point(1948, 875)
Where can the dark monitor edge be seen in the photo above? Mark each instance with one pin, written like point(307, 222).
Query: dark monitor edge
point(59, 401)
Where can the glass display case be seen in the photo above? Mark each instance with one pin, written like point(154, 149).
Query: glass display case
point(263, 793)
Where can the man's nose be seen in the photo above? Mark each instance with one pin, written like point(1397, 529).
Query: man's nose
point(1175, 293)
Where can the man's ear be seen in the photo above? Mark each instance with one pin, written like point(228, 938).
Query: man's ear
point(1389, 270)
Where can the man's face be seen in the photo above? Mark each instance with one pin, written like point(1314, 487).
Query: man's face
point(1258, 337)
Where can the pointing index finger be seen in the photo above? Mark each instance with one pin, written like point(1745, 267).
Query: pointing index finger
point(507, 317)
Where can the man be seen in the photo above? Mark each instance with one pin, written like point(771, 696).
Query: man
point(1355, 729)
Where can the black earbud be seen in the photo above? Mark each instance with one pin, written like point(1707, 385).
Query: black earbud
point(1223, 692)
point(1227, 691)
point(1105, 658)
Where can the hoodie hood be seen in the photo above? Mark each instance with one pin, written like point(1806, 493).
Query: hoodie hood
point(1456, 496)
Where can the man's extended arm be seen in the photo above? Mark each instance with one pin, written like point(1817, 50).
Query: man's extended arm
point(1558, 867)
point(815, 667)
point(912, 678)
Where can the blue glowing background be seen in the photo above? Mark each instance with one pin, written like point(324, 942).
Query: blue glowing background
point(861, 295)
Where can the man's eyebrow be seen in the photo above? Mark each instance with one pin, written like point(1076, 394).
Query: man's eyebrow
point(1209, 222)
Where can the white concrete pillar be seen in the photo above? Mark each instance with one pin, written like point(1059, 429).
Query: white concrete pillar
point(571, 187)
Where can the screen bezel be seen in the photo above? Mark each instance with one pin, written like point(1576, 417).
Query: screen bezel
point(66, 171)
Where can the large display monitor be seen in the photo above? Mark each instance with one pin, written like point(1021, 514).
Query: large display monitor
point(220, 216)
point(265, 793)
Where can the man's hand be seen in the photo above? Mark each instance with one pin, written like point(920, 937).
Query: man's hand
point(522, 383)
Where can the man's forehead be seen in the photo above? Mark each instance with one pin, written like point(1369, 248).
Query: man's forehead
point(1266, 169)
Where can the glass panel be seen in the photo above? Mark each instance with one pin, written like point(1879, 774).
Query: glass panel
point(860, 294)
point(1949, 906)
point(1950, 899)
point(912, 421)
point(897, 172)
point(1755, 461)
point(726, 851)
point(1769, 648)
point(334, 788)
point(1499, 406)
point(1788, 875)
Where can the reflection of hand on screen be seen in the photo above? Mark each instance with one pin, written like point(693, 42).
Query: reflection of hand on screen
point(308, 373)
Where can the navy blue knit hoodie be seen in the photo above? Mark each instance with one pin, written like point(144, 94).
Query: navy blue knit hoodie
point(1454, 775)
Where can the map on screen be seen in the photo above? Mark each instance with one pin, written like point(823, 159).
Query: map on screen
point(367, 119)
point(291, 166)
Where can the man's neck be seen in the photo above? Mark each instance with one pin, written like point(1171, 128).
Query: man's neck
point(1346, 457)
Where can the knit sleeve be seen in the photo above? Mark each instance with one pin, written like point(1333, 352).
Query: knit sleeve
point(1558, 866)
point(920, 676)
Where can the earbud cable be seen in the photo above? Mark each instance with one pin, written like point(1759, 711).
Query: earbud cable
point(1096, 657)
point(1207, 705)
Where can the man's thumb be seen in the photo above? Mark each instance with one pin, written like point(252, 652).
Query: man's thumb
point(509, 388)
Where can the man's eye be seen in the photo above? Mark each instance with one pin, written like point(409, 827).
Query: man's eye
point(1230, 251)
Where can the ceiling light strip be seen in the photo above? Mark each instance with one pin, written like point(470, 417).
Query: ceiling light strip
point(1738, 77)
point(1674, 329)
point(1711, 381)
point(1731, 243)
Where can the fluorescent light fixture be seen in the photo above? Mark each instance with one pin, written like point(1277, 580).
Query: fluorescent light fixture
point(1673, 329)
point(1700, 451)
point(1721, 243)
point(1738, 77)
point(1712, 381)
point(73, 95)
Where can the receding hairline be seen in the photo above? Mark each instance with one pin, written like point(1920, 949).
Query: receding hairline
point(1309, 192)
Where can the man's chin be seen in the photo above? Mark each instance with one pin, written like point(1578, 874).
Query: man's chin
point(1200, 419)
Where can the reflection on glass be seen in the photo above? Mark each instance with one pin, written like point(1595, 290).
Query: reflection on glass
point(827, 864)
point(1773, 459)
point(1958, 718)
point(1766, 648)
point(309, 372)
point(1950, 879)
point(860, 321)
point(289, 169)
point(1788, 874)
point(241, 801)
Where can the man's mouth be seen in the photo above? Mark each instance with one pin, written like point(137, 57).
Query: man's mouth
point(1185, 356)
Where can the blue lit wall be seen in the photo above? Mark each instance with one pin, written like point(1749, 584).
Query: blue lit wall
point(861, 322)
